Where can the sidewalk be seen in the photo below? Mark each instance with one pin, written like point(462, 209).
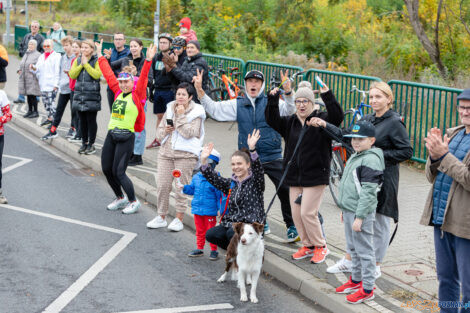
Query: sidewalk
point(408, 272)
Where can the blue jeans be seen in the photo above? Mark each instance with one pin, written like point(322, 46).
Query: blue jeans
point(453, 272)
point(139, 143)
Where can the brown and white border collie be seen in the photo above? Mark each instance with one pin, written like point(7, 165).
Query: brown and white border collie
point(245, 257)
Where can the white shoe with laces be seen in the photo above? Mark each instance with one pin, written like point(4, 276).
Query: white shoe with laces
point(377, 272)
point(118, 203)
point(132, 207)
point(176, 225)
point(157, 222)
point(341, 266)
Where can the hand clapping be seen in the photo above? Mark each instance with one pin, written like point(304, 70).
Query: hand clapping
point(436, 145)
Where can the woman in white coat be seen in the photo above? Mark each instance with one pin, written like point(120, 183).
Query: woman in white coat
point(47, 70)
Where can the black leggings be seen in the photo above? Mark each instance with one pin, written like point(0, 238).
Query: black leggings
point(220, 236)
point(88, 126)
point(114, 159)
point(64, 98)
point(32, 103)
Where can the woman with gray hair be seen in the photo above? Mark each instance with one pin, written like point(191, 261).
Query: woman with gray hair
point(47, 69)
point(28, 83)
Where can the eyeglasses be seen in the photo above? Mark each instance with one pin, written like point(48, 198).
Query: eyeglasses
point(118, 39)
point(299, 102)
point(462, 108)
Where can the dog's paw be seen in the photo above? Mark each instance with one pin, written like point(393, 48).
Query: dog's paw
point(254, 299)
point(243, 298)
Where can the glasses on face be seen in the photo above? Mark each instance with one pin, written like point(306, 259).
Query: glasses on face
point(464, 108)
point(124, 76)
point(46, 46)
point(177, 48)
point(299, 102)
point(118, 39)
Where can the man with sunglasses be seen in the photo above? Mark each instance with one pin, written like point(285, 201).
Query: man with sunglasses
point(118, 52)
point(34, 34)
point(447, 206)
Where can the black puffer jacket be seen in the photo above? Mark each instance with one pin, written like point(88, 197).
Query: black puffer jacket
point(188, 70)
point(392, 138)
point(246, 202)
point(311, 164)
point(87, 95)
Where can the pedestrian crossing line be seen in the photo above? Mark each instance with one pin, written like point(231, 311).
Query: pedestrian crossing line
point(198, 308)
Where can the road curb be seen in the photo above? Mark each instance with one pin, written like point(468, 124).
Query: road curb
point(294, 277)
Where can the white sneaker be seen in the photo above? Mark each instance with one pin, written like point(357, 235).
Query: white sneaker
point(341, 266)
point(377, 272)
point(118, 204)
point(132, 207)
point(157, 222)
point(176, 225)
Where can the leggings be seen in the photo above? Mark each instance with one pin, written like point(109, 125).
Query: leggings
point(88, 126)
point(114, 159)
point(61, 105)
point(48, 98)
point(220, 235)
point(32, 103)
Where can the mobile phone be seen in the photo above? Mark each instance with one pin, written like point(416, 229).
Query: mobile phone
point(169, 122)
point(319, 81)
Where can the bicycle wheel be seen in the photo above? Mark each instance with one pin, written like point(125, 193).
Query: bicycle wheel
point(216, 94)
point(336, 172)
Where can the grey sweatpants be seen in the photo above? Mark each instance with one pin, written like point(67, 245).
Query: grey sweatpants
point(361, 246)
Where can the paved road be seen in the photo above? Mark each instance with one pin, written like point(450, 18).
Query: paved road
point(56, 232)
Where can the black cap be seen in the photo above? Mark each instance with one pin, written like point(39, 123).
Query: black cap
point(465, 95)
point(255, 74)
point(362, 129)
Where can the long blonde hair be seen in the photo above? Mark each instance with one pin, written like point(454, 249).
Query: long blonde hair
point(385, 89)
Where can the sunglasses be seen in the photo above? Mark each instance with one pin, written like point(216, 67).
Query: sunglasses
point(46, 46)
point(125, 76)
point(177, 48)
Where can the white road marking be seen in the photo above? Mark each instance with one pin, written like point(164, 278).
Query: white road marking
point(23, 161)
point(71, 292)
point(198, 308)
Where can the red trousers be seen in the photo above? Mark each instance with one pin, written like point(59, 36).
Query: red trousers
point(203, 223)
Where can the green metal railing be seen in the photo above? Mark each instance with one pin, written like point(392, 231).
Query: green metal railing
point(423, 107)
point(268, 69)
point(217, 61)
point(341, 84)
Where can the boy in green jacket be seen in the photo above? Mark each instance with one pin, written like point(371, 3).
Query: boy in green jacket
point(361, 181)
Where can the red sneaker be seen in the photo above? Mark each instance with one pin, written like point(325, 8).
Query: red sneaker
point(319, 254)
point(360, 296)
point(349, 287)
point(155, 143)
point(302, 253)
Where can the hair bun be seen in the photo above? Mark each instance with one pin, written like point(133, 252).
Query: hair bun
point(304, 83)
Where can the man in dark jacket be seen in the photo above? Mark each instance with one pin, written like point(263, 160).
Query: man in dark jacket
point(194, 61)
point(249, 113)
point(3, 65)
point(118, 52)
point(447, 207)
point(34, 34)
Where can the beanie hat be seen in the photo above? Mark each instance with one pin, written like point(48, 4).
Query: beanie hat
point(185, 22)
point(305, 91)
point(196, 43)
point(215, 156)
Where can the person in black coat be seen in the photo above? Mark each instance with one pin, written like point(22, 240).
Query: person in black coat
point(194, 61)
point(245, 190)
point(392, 138)
point(309, 170)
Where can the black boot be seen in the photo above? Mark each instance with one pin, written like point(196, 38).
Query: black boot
point(136, 160)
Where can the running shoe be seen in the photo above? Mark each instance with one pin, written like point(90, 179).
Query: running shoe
point(83, 148)
point(34, 114)
point(155, 143)
point(71, 133)
point(176, 225)
point(349, 287)
point(195, 253)
point(341, 266)
point(90, 150)
point(132, 207)
point(302, 253)
point(157, 222)
point(360, 296)
point(319, 254)
point(50, 135)
point(214, 255)
point(118, 203)
point(28, 114)
point(292, 235)
point(75, 139)
point(46, 122)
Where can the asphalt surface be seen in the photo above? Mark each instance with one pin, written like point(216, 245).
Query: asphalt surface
point(56, 233)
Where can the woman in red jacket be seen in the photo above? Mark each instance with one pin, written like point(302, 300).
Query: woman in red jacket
point(127, 117)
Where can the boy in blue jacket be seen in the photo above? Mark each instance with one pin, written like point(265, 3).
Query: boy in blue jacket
point(204, 206)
